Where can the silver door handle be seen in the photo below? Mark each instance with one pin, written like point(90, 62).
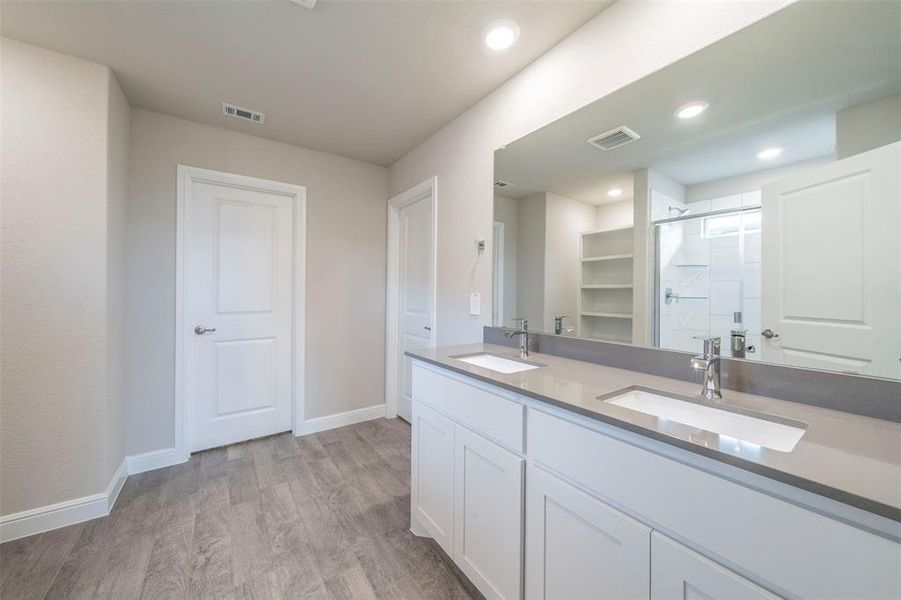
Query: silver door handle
point(769, 334)
point(427, 328)
point(200, 330)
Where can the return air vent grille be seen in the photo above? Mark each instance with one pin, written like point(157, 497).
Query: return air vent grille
point(502, 184)
point(236, 112)
point(614, 138)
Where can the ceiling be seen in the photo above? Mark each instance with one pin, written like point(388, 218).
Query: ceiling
point(368, 80)
point(776, 83)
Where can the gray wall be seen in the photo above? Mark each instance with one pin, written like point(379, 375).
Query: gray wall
point(64, 154)
point(530, 256)
point(867, 126)
point(506, 211)
point(346, 254)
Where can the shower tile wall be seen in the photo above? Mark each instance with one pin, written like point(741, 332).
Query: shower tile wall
point(710, 277)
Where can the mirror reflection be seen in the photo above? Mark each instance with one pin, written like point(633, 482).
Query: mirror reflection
point(748, 192)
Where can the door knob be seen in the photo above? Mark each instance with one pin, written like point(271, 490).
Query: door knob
point(200, 330)
point(769, 333)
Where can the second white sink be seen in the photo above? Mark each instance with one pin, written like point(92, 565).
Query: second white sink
point(755, 430)
point(497, 363)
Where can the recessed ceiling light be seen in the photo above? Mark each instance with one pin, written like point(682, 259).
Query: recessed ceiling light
point(769, 153)
point(614, 192)
point(692, 109)
point(500, 34)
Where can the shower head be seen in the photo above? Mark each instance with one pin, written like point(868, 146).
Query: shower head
point(679, 210)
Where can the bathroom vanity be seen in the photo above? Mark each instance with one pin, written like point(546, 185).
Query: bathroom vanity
point(559, 478)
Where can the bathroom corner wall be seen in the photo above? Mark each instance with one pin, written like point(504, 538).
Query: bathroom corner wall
point(63, 172)
point(606, 54)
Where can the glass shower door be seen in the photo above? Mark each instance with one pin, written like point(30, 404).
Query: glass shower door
point(707, 278)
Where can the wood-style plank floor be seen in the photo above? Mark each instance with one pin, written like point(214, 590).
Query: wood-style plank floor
point(320, 516)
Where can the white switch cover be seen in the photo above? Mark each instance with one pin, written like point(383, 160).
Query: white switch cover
point(475, 303)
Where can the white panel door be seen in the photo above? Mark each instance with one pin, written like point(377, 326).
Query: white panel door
point(415, 276)
point(677, 573)
point(832, 267)
point(488, 491)
point(579, 547)
point(240, 289)
point(432, 489)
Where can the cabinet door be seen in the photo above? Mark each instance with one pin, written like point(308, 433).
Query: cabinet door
point(579, 547)
point(488, 515)
point(678, 573)
point(432, 493)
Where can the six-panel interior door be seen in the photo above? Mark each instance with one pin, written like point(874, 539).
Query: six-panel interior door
point(414, 293)
point(831, 266)
point(239, 375)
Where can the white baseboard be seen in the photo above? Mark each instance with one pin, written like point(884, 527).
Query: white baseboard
point(376, 411)
point(115, 485)
point(62, 514)
point(158, 459)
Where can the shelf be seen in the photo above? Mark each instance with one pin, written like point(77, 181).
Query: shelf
point(607, 257)
point(607, 315)
point(600, 231)
point(608, 286)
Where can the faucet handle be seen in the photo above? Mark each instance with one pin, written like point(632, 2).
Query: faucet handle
point(711, 344)
point(523, 322)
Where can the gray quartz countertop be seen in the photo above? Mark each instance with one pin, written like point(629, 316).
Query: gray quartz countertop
point(853, 459)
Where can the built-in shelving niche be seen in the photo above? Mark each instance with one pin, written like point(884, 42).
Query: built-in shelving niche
point(605, 294)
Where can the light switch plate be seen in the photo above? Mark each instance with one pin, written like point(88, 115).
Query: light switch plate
point(475, 303)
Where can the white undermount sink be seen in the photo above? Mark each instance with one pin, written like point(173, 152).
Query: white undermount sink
point(774, 435)
point(497, 363)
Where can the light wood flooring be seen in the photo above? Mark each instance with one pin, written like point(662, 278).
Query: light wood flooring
point(320, 516)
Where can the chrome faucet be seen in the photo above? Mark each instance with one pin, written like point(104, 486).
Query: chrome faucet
point(523, 333)
point(709, 362)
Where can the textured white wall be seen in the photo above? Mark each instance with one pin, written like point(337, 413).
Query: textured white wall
point(566, 219)
point(627, 41)
point(346, 255)
point(506, 211)
point(118, 129)
point(867, 126)
point(55, 441)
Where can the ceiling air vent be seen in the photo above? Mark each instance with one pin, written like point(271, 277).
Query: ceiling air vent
point(230, 110)
point(502, 184)
point(614, 138)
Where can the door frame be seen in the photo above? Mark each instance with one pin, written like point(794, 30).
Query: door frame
point(186, 176)
point(427, 190)
point(497, 298)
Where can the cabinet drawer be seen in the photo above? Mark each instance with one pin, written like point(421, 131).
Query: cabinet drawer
point(677, 573)
point(481, 410)
point(769, 540)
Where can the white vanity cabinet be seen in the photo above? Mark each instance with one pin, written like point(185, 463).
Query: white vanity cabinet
point(534, 501)
point(488, 491)
point(432, 457)
point(467, 486)
point(677, 573)
point(579, 547)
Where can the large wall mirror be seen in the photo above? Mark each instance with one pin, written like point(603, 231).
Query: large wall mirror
point(750, 191)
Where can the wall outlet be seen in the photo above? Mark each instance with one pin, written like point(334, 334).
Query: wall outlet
point(475, 304)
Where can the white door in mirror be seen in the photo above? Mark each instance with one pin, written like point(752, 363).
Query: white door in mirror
point(830, 262)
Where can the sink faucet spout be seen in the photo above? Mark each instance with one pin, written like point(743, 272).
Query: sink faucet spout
point(709, 363)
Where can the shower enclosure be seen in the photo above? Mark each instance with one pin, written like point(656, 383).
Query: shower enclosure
point(708, 277)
